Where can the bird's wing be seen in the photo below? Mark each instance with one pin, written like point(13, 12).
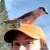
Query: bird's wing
point(25, 15)
point(18, 19)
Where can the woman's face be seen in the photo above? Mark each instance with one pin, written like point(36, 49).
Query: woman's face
point(23, 42)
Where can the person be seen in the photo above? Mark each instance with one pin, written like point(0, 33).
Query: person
point(26, 37)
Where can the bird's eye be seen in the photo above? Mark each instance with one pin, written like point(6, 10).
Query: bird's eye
point(43, 9)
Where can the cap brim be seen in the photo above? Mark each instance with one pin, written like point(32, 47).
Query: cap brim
point(10, 35)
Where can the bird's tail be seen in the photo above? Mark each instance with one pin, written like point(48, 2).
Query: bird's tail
point(11, 21)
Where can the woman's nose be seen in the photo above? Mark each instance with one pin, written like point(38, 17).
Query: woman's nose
point(22, 47)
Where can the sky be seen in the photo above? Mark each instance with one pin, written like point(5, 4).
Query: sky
point(16, 8)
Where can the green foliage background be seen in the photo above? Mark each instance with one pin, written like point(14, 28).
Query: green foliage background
point(3, 26)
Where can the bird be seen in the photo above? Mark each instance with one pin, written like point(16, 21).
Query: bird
point(29, 17)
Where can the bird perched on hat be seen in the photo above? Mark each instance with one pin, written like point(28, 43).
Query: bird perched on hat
point(28, 18)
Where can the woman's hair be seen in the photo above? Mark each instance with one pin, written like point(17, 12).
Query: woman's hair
point(43, 45)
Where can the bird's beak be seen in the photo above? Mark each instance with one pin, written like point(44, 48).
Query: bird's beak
point(46, 12)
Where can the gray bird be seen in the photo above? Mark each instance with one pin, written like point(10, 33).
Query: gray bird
point(28, 18)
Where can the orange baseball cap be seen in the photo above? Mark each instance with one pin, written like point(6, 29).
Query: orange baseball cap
point(30, 30)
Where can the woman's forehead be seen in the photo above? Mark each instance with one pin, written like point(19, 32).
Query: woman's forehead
point(23, 36)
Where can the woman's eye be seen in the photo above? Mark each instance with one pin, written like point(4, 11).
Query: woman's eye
point(16, 44)
point(29, 43)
